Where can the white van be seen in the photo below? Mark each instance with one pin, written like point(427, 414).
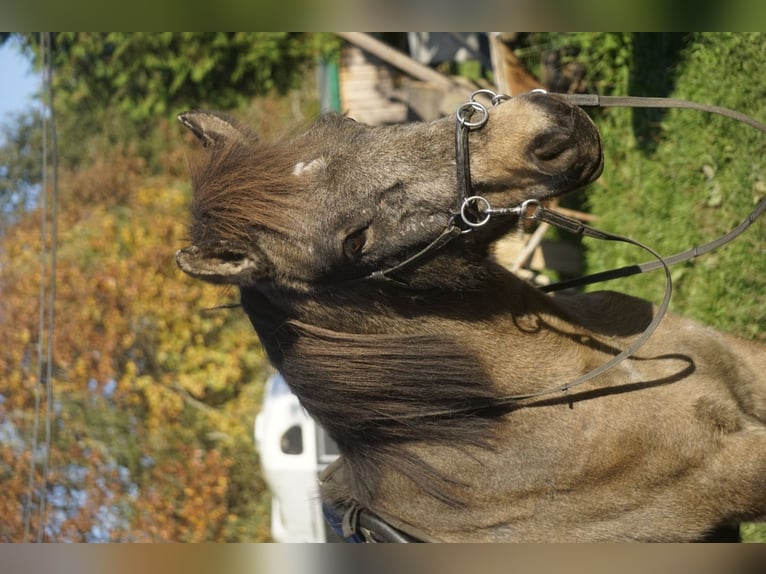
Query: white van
point(293, 449)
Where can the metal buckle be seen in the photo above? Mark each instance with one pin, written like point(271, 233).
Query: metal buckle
point(487, 211)
point(524, 209)
point(462, 115)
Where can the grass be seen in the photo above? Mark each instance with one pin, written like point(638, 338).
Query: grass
point(681, 178)
point(753, 532)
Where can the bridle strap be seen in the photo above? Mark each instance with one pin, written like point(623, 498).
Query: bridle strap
point(575, 227)
point(458, 223)
point(687, 255)
point(595, 100)
point(449, 233)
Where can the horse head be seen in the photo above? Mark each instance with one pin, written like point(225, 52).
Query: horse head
point(343, 199)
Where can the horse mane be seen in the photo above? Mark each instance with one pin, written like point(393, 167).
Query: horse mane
point(373, 394)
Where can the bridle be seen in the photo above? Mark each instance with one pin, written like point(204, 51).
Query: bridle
point(474, 211)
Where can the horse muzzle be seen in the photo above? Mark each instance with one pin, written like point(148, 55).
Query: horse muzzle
point(568, 155)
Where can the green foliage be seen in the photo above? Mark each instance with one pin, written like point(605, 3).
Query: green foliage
point(20, 171)
point(607, 55)
point(681, 178)
point(118, 94)
point(674, 179)
point(117, 88)
point(153, 393)
point(689, 179)
point(149, 75)
point(753, 532)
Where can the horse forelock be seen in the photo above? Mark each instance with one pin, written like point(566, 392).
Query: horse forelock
point(244, 187)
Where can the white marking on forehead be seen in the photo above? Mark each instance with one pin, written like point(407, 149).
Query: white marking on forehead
point(308, 166)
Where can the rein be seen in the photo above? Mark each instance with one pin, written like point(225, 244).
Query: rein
point(474, 211)
point(594, 100)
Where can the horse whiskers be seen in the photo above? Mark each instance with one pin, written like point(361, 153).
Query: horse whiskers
point(221, 307)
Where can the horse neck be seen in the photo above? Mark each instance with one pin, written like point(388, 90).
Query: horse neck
point(498, 316)
point(369, 365)
point(382, 306)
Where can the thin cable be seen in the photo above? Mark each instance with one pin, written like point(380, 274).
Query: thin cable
point(48, 81)
point(47, 297)
point(48, 85)
point(41, 314)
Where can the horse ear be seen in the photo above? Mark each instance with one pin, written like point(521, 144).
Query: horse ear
point(214, 129)
point(225, 266)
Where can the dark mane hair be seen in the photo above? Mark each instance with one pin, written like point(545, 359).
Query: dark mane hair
point(382, 387)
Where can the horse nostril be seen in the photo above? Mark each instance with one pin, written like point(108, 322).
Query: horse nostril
point(550, 145)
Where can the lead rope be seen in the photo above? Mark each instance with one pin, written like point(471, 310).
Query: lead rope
point(575, 227)
point(540, 213)
point(470, 206)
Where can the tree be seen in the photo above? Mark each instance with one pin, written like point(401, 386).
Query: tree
point(154, 397)
point(149, 75)
point(20, 172)
point(120, 89)
point(152, 405)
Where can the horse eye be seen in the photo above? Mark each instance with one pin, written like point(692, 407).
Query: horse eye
point(354, 244)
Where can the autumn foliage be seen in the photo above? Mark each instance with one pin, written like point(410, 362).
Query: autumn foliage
point(153, 391)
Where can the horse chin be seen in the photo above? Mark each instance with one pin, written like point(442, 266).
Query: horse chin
point(539, 193)
point(567, 186)
point(546, 194)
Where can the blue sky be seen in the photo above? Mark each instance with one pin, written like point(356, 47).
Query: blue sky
point(17, 81)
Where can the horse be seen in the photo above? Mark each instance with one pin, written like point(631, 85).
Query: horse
point(402, 344)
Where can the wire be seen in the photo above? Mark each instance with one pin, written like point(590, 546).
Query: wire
point(40, 324)
point(47, 294)
point(48, 86)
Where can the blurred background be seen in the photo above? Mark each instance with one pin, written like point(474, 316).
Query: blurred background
point(128, 391)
